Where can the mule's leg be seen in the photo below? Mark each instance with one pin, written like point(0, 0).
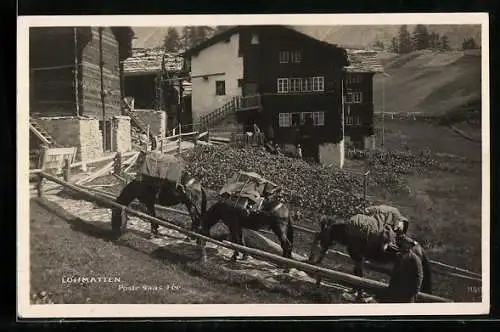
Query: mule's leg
point(280, 233)
point(194, 221)
point(242, 237)
point(358, 271)
point(233, 237)
point(151, 211)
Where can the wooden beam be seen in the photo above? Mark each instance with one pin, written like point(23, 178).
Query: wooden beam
point(344, 278)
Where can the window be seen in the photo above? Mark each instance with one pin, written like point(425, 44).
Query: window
point(353, 98)
point(357, 97)
point(284, 56)
point(220, 88)
point(240, 83)
point(318, 117)
point(296, 56)
point(353, 78)
point(307, 84)
point(285, 120)
point(255, 39)
point(295, 85)
point(318, 83)
point(282, 85)
point(353, 120)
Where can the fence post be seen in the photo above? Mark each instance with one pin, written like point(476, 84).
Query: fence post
point(117, 163)
point(365, 185)
point(66, 170)
point(40, 186)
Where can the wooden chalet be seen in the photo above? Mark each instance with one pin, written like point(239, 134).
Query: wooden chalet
point(278, 77)
point(143, 75)
point(76, 74)
point(358, 95)
point(294, 76)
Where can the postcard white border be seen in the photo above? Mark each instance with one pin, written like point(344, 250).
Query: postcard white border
point(26, 310)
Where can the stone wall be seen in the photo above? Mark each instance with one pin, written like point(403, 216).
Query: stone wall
point(91, 145)
point(370, 143)
point(331, 153)
point(122, 139)
point(155, 119)
point(83, 133)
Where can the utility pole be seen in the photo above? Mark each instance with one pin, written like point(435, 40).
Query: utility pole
point(179, 110)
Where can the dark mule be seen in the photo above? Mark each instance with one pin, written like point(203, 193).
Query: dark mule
point(273, 214)
point(359, 249)
point(151, 190)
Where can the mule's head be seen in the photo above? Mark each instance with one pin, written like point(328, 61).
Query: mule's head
point(191, 190)
point(322, 240)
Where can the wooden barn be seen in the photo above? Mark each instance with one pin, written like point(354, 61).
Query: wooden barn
point(76, 88)
point(143, 72)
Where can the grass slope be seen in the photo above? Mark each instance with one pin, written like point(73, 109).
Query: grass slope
point(429, 82)
point(70, 247)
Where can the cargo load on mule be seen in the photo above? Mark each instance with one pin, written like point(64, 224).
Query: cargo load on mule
point(248, 190)
point(160, 168)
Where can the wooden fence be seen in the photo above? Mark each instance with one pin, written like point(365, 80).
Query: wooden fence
point(345, 278)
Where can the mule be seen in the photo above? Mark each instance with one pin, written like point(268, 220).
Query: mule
point(359, 249)
point(150, 191)
point(273, 214)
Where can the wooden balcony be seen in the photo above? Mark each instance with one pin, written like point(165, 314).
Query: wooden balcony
point(245, 103)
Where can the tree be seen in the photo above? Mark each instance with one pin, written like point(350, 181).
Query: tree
point(193, 35)
point(188, 34)
point(469, 44)
point(203, 33)
point(379, 45)
point(221, 28)
point(172, 40)
point(433, 41)
point(394, 45)
point(444, 43)
point(420, 37)
point(404, 40)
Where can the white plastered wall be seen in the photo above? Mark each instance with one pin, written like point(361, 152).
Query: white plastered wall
point(218, 58)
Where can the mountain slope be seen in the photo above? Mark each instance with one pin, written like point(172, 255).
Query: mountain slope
point(361, 36)
point(429, 82)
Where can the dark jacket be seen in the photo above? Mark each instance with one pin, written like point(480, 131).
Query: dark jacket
point(406, 278)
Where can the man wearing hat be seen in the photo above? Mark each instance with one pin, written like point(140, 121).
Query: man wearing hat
point(407, 274)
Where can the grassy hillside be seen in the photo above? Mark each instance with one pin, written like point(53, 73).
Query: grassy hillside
point(429, 82)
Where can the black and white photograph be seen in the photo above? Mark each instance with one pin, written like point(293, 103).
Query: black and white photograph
point(253, 165)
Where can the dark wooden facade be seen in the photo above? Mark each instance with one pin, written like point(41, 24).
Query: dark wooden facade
point(260, 48)
point(95, 54)
point(358, 115)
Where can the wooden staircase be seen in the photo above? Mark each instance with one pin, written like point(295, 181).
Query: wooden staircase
point(128, 110)
point(234, 105)
point(41, 133)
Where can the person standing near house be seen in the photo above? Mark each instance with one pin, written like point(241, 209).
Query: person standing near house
point(299, 151)
point(269, 133)
point(256, 129)
point(308, 140)
point(145, 141)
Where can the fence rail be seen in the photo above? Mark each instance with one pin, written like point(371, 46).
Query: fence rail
point(367, 284)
